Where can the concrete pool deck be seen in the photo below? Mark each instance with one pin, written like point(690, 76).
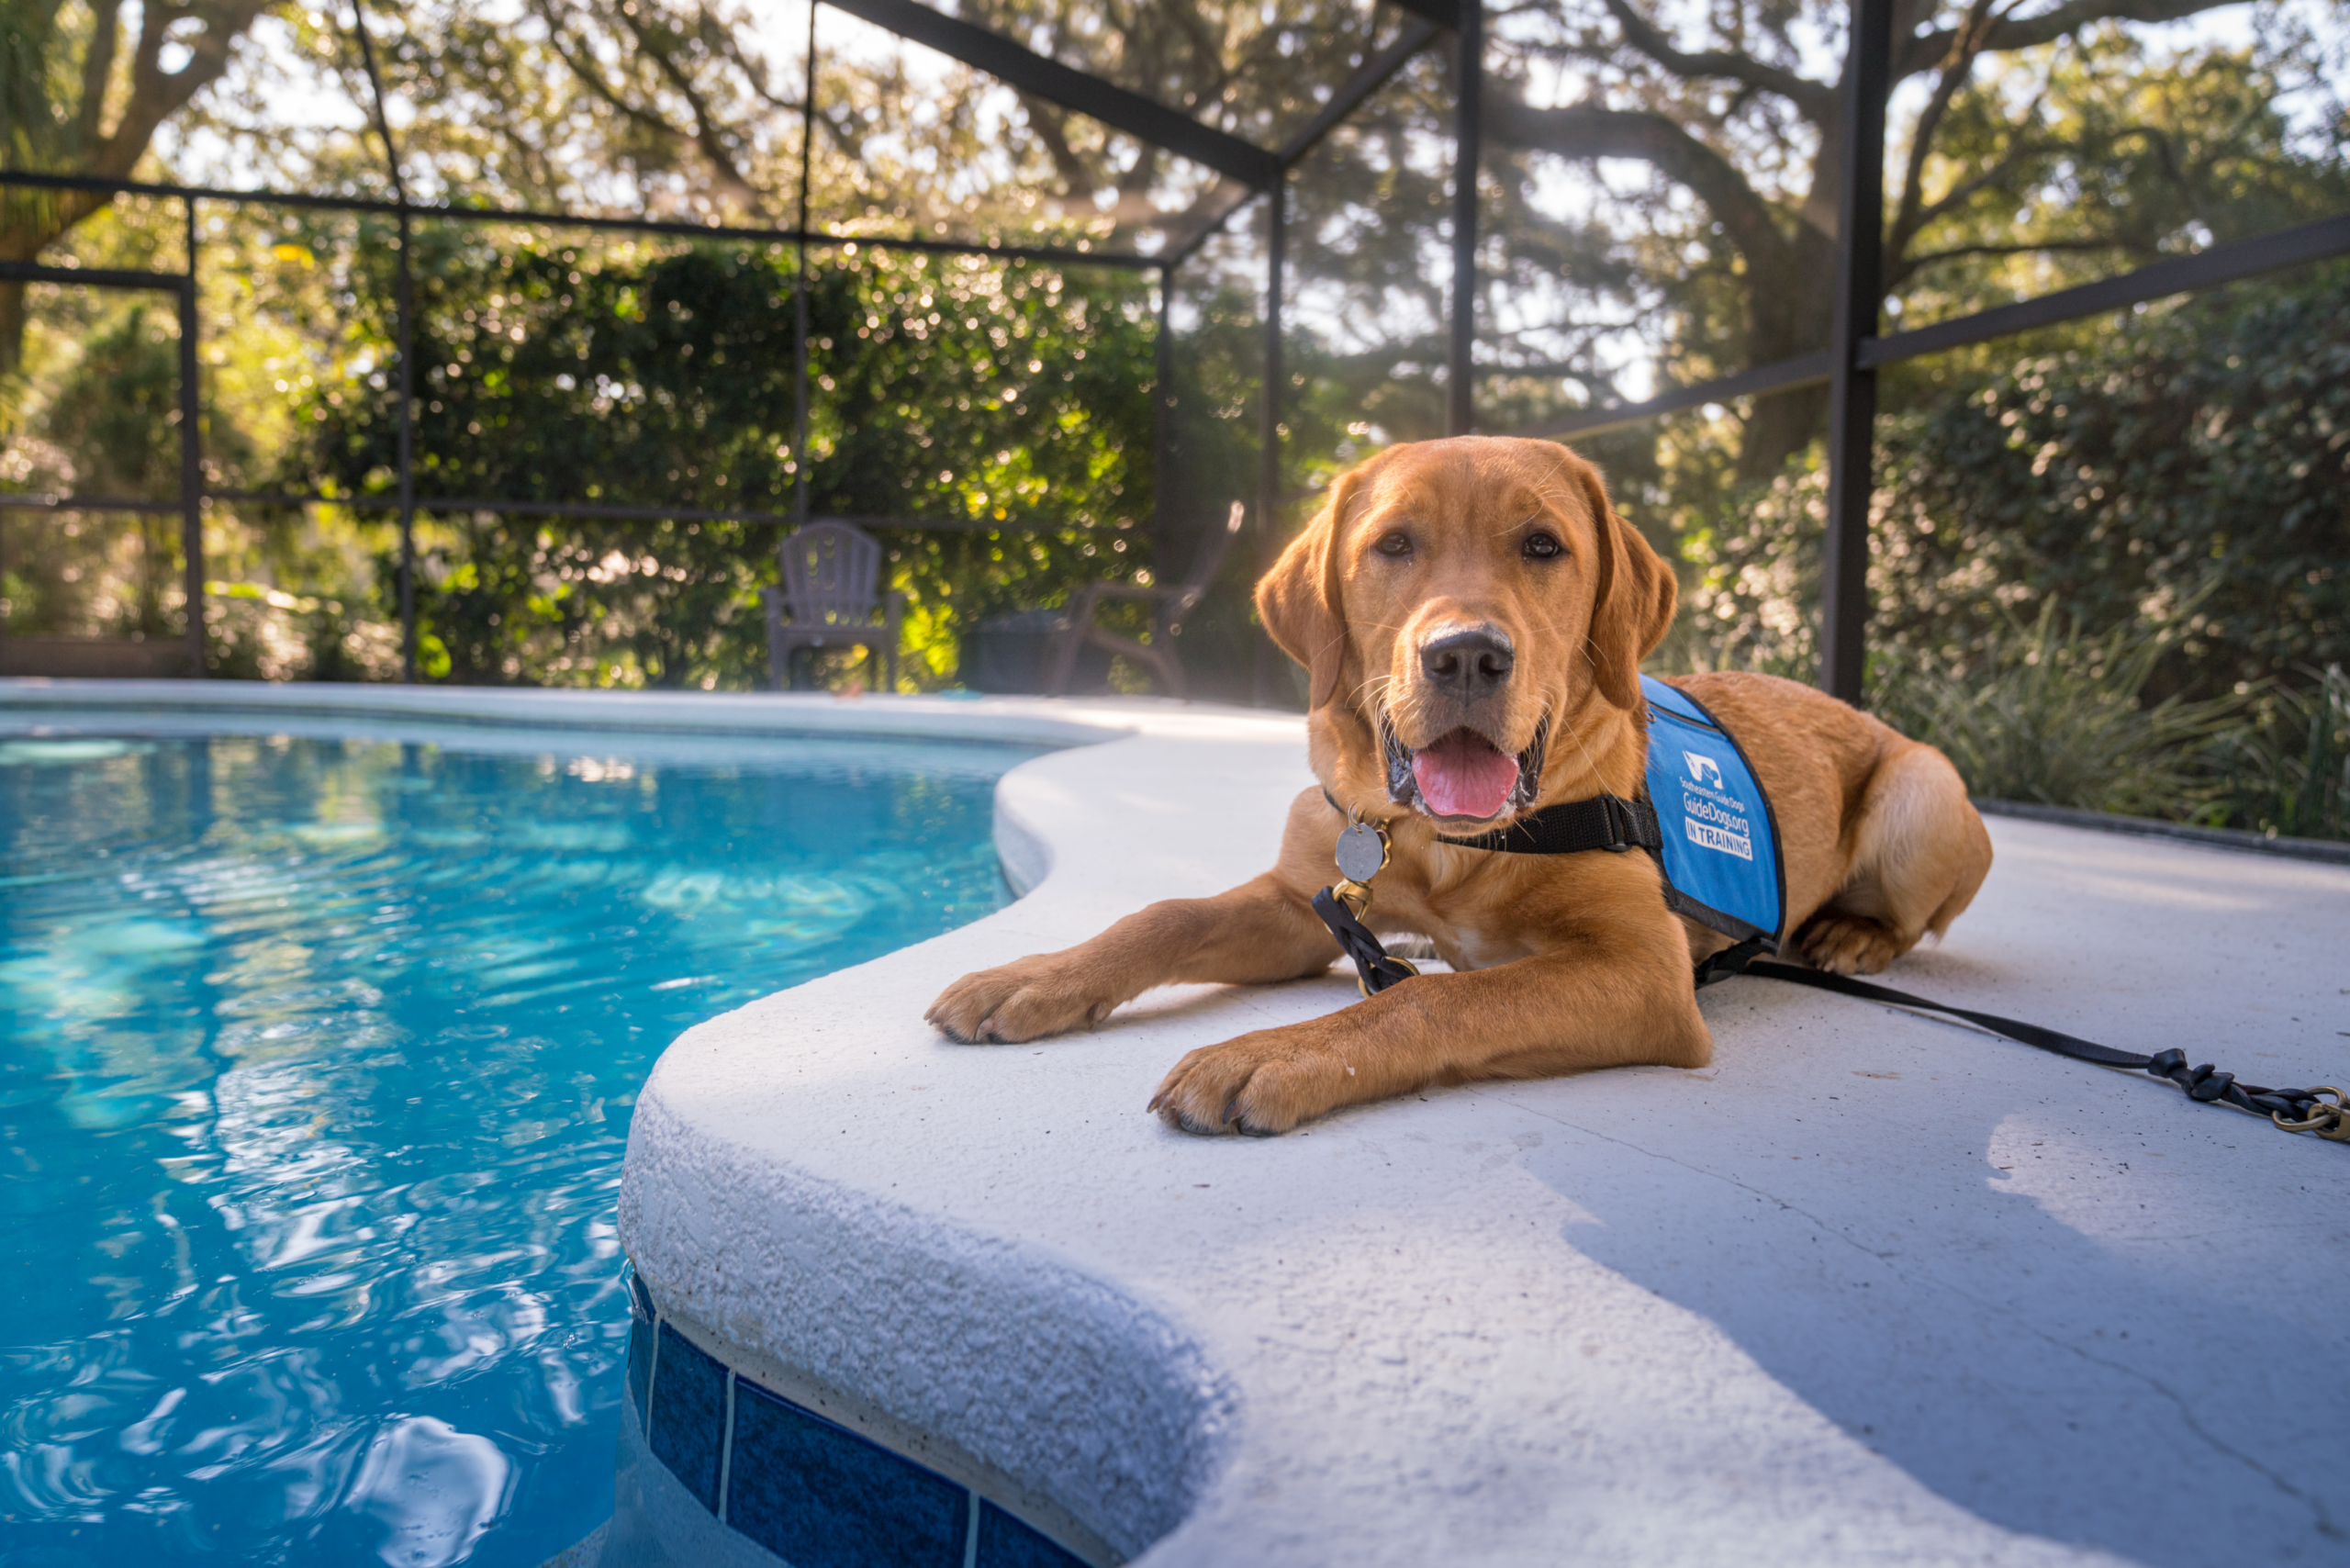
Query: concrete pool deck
point(1870, 1288)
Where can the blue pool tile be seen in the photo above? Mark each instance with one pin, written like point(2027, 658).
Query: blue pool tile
point(818, 1495)
point(1005, 1542)
point(689, 1417)
point(640, 1300)
point(640, 1363)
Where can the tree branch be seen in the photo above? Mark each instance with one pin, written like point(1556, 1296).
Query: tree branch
point(1918, 53)
point(1045, 120)
point(1949, 200)
point(709, 136)
point(97, 74)
point(157, 94)
point(1958, 64)
point(1815, 100)
point(1583, 132)
point(2030, 249)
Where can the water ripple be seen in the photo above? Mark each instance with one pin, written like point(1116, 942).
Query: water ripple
point(317, 1061)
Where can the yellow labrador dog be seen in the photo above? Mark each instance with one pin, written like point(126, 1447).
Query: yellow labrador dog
point(1468, 596)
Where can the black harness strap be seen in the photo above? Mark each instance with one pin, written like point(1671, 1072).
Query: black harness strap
point(1604, 821)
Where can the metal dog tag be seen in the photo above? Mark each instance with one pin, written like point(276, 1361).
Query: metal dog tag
point(1362, 850)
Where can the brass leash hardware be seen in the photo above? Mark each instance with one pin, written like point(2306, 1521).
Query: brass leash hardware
point(1361, 854)
point(2330, 1122)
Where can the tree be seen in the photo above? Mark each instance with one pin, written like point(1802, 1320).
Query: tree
point(1009, 399)
point(73, 103)
point(2185, 475)
point(1738, 124)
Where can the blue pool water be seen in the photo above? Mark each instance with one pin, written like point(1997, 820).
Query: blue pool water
point(316, 1062)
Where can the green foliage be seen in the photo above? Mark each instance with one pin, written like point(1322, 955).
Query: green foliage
point(2053, 714)
point(2287, 770)
point(2194, 456)
point(2125, 152)
point(2189, 467)
point(1007, 404)
point(2049, 714)
point(107, 424)
point(2111, 574)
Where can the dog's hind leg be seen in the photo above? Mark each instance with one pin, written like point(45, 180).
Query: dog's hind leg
point(1918, 852)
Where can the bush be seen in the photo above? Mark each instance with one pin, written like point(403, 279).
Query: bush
point(2051, 714)
point(1008, 403)
point(2287, 771)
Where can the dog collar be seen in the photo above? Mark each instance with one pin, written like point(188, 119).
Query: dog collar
point(1570, 827)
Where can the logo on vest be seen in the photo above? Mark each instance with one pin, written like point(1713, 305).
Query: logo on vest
point(1711, 817)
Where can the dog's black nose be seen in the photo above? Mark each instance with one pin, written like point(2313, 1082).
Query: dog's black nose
point(1469, 664)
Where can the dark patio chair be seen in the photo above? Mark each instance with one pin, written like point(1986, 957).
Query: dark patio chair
point(829, 597)
point(1172, 602)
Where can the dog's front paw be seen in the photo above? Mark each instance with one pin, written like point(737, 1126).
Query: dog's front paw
point(1259, 1084)
point(1026, 1000)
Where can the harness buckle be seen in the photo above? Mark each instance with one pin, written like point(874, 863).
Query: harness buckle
point(1619, 825)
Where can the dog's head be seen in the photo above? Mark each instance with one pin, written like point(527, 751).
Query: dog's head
point(1457, 604)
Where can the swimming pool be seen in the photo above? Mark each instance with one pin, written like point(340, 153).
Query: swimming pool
point(319, 1054)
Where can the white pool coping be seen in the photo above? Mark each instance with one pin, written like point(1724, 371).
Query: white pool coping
point(1870, 1289)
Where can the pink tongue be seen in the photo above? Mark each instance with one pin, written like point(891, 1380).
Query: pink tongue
point(1462, 776)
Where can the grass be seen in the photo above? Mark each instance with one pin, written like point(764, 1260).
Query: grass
point(2287, 770)
point(2047, 712)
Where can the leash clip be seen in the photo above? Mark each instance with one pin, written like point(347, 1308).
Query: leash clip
point(1343, 906)
point(2331, 1122)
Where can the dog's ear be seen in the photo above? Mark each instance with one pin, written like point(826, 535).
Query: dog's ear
point(1301, 602)
point(1633, 606)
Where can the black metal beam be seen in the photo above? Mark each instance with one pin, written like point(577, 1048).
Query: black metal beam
point(1852, 397)
point(1375, 74)
point(191, 460)
point(803, 392)
point(1205, 232)
point(90, 278)
point(2318, 240)
point(1806, 370)
point(1445, 13)
point(541, 509)
point(89, 503)
point(2157, 280)
point(404, 343)
point(1269, 422)
point(1162, 444)
point(1468, 141)
point(1057, 255)
point(1016, 65)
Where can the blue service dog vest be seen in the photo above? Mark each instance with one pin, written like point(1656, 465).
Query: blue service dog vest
point(1722, 847)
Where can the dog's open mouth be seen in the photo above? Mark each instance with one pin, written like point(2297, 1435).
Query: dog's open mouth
point(1463, 775)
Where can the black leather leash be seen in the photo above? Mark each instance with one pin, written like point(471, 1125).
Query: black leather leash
point(1609, 823)
point(2294, 1110)
point(1376, 967)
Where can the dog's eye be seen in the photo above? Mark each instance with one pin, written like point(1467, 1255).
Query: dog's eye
point(1542, 547)
point(1395, 544)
